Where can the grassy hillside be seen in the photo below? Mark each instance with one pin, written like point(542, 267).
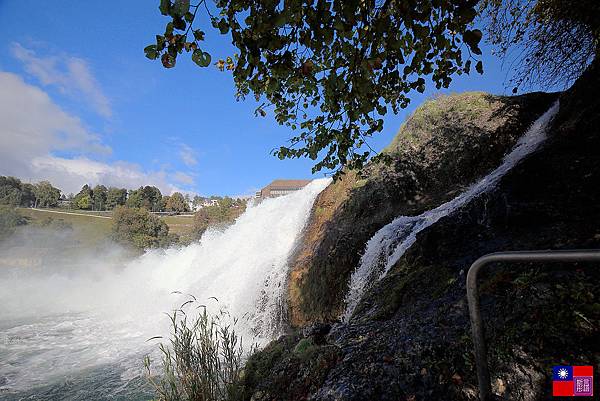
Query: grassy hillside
point(93, 228)
point(181, 225)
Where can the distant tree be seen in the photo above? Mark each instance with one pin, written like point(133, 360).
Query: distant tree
point(99, 196)
point(225, 212)
point(198, 201)
point(148, 197)
point(115, 197)
point(330, 69)
point(9, 220)
point(46, 195)
point(84, 202)
point(554, 40)
point(176, 203)
point(135, 199)
point(78, 203)
point(139, 228)
point(226, 202)
point(10, 191)
point(16, 193)
point(27, 195)
point(153, 197)
point(163, 202)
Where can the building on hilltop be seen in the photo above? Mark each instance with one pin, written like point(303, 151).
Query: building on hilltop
point(194, 207)
point(281, 187)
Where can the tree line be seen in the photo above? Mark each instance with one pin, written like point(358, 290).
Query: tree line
point(14, 192)
point(133, 223)
point(149, 197)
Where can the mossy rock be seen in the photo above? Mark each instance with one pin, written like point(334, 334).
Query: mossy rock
point(447, 144)
point(290, 368)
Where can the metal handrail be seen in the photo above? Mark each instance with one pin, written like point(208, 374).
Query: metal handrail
point(483, 374)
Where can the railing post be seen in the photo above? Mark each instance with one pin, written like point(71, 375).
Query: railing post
point(483, 373)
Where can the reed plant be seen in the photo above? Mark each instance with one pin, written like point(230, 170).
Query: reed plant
point(203, 360)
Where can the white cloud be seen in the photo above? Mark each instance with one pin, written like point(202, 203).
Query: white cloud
point(188, 155)
point(33, 129)
point(75, 172)
point(71, 75)
point(183, 178)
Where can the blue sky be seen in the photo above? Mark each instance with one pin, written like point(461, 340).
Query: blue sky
point(129, 120)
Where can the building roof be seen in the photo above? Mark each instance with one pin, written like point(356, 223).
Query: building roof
point(281, 187)
point(285, 184)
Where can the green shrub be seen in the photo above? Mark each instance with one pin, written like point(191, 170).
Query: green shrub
point(204, 361)
point(9, 220)
point(140, 228)
point(225, 212)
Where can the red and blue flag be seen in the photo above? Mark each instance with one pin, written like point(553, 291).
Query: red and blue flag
point(569, 381)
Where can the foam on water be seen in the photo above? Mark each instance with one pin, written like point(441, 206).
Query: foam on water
point(388, 244)
point(55, 324)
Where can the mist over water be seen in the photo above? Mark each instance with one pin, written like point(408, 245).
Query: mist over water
point(90, 316)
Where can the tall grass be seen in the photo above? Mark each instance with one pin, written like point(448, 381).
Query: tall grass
point(202, 362)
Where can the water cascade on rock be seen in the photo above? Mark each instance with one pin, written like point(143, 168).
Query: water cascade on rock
point(388, 244)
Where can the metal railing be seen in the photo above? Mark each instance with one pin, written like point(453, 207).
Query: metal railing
point(483, 374)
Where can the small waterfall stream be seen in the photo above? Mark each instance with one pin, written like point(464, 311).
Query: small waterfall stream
point(388, 244)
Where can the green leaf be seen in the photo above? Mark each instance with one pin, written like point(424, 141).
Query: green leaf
point(180, 7)
point(201, 58)
point(468, 66)
point(479, 67)
point(472, 39)
point(168, 61)
point(223, 26)
point(179, 23)
point(165, 7)
point(467, 14)
point(151, 52)
point(160, 42)
point(169, 29)
point(189, 17)
point(198, 34)
point(280, 20)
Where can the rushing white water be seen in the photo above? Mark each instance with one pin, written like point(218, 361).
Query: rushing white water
point(55, 324)
point(388, 244)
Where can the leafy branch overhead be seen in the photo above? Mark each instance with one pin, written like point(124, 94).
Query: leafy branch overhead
point(329, 69)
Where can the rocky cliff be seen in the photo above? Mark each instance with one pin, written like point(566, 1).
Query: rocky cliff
point(409, 338)
point(447, 144)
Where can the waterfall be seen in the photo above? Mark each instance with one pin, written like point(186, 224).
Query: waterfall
point(388, 244)
point(56, 324)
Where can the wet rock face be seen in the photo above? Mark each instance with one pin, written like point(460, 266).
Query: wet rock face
point(410, 336)
point(291, 368)
point(447, 144)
